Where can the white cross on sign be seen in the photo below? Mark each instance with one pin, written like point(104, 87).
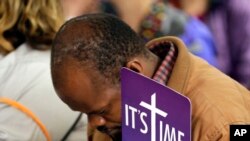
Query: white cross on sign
point(154, 110)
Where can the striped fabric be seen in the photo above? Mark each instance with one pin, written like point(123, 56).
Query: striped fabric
point(164, 71)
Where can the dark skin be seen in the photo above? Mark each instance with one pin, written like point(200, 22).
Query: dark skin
point(87, 91)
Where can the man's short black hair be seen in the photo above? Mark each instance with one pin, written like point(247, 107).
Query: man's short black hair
point(99, 41)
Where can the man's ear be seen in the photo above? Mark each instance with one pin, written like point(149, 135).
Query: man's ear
point(135, 65)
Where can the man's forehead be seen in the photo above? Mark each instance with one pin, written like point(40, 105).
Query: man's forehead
point(63, 71)
point(77, 104)
point(85, 101)
point(78, 87)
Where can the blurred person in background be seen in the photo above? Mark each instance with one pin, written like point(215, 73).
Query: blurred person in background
point(229, 21)
point(73, 8)
point(27, 28)
point(156, 18)
point(153, 18)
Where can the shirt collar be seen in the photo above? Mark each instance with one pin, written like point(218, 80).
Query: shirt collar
point(181, 70)
point(167, 52)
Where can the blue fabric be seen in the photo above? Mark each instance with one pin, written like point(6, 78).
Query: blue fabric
point(199, 40)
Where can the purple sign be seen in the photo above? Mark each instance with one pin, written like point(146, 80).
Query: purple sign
point(152, 111)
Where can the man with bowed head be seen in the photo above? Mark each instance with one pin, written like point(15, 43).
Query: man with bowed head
point(89, 51)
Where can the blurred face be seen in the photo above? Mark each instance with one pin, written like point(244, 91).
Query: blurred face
point(87, 92)
point(195, 7)
point(73, 8)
